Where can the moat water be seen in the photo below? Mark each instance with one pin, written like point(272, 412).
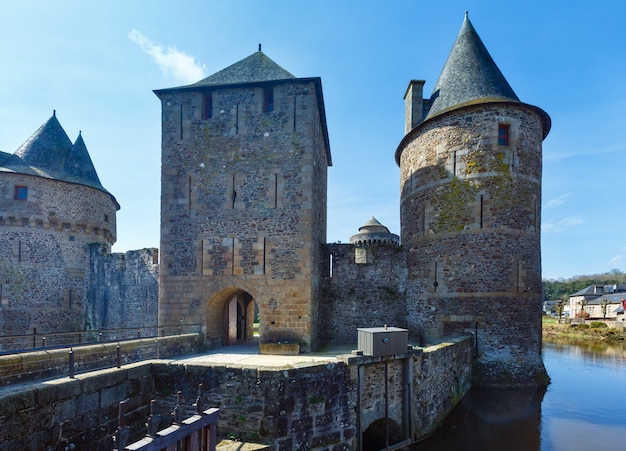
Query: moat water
point(584, 408)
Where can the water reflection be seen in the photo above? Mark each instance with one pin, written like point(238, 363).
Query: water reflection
point(583, 408)
point(491, 420)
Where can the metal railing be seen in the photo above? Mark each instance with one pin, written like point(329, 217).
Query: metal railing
point(198, 432)
point(37, 340)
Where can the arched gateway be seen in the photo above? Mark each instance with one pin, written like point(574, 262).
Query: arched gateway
point(230, 316)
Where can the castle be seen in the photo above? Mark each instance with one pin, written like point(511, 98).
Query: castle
point(245, 154)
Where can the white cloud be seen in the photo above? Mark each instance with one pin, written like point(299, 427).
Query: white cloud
point(617, 260)
point(562, 224)
point(172, 62)
point(552, 203)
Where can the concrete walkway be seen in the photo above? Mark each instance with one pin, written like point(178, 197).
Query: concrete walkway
point(247, 354)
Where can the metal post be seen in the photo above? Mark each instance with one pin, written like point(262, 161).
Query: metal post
point(153, 421)
point(178, 330)
point(177, 409)
point(43, 342)
point(99, 336)
point(138, 333)
point(71, 364)
point(386, 407)
point(118, 357)
point(198, 403)
point(122, 433)
point(34, 337)
point(162, 331)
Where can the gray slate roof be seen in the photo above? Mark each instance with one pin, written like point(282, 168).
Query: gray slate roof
point(255, 68)
point(49, 153)
point(469, 76)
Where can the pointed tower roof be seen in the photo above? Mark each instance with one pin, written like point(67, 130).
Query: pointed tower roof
point(469, 76)
point(257, 67)
point(47, 147)
point(49, 153)
point(78, 165)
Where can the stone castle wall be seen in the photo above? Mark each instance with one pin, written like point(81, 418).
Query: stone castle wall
point(243, 207)
point(470, 211)
point(366, 294)
point(308, 407)
point(123, 291)
point(44, 258)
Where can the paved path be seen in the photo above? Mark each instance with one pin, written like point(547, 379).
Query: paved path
point(247, 354)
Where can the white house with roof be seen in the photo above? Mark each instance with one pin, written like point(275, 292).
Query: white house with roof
point(599, 302)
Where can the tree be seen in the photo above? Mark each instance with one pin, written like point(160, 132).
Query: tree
point(560, 305)
point(604, 304)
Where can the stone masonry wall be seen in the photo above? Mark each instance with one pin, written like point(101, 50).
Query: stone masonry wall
point(297, 407)
point(369, 294)
point(470, 210)
point(123, 290)
point(243, 207)
point(80, 413)
point(44, 257)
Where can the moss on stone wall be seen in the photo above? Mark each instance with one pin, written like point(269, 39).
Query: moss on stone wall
point(452, 204)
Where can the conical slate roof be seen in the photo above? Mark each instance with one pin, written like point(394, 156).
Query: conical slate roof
point(373, 232)
point(469, 76)
point(78, 164)
point(255, 68)
point(47, 147)
point(50, 153)
point(373, 225)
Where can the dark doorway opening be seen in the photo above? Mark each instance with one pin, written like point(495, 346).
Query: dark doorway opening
point(374, 437)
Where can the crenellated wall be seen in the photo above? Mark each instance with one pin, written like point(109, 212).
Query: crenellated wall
point(365, 288)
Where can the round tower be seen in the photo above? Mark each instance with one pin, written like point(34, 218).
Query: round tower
point(470, 168)
point(52, 208)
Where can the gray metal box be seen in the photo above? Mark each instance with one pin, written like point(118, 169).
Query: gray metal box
point(379, 341)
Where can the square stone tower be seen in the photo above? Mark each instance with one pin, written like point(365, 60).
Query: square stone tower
point(245, 153)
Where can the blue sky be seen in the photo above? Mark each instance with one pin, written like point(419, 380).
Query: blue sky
point(97, 63)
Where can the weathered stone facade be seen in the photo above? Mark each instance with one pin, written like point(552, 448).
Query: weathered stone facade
point(365, 288)
point(243, 222)
point(57, 226)
point(44, 257)
point(243, 214)
point(123, 291)
point(472, 213)
point(334, 405)
point(243, 206)
point(470, 174)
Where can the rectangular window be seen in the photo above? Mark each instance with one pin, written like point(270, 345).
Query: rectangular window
point(208, 106)
point(21, 192)
point(268, 100)
point(503, 134)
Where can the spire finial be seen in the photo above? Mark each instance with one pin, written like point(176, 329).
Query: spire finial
point(54, 113)
point(259, 47)
point(466, 15)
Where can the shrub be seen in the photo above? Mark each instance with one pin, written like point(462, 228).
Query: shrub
point(598, 325)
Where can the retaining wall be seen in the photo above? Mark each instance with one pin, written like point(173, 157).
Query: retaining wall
point(300, 406)
point(47, 363)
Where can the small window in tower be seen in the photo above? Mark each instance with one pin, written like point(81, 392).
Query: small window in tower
point(106, 218)
point(503, 134)
point(208, 106)
point(21, 192)
point(268, 100)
